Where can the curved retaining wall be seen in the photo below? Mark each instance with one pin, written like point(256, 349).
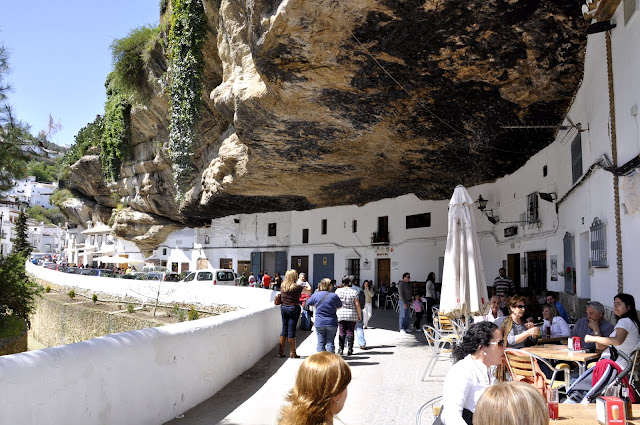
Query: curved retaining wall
point(147, 376)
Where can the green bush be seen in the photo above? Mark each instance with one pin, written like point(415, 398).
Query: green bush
point(72, 294)
point(47, 289)
point(115, 144)
point(193, 314)
point(181, 316)
point(94, 298)
point(130, 55)
point(59, 196)
point(42, 171)
point(11, 326)
point(186, 41)
point(130, 308)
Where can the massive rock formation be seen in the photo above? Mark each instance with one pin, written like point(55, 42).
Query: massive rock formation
point(329, 102)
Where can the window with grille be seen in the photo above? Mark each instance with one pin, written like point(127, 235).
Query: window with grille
point(630, 8)
point(598, 232)
point(532, 209)
point(576, 158)
point(272, 229)
point(353, 268)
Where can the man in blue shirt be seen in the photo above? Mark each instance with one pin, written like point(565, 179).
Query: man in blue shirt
point(593, 324)
point(552, 299)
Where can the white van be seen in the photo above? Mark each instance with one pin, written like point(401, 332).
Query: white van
point(215, 276)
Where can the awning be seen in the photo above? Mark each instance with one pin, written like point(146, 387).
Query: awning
point(102, 228)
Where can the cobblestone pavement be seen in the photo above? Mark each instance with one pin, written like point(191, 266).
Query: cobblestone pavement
point(386, 387)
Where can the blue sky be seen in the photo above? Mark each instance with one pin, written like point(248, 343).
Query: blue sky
point(59, 57)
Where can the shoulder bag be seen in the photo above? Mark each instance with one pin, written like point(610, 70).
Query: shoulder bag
point(278, 299)
point(307, 307)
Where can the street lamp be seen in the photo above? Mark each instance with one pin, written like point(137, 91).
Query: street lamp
point(481, 203)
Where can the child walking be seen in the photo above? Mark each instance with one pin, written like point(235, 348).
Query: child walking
point(417, 306)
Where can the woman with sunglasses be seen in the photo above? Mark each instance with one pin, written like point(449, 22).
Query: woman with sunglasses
point(469, 377)
point(517, 333)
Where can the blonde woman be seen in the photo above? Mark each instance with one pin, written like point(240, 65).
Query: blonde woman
point(319, 393)
point(327, 304)
point(511, 403)
point(368, 302)
point(290, 292)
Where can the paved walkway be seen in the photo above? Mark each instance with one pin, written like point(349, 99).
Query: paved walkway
point(385, 388)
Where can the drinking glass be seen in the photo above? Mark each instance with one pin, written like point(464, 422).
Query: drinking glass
point(553, 400)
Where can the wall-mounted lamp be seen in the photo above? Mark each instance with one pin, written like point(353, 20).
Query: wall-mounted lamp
point(549, 197)
point(481, 203)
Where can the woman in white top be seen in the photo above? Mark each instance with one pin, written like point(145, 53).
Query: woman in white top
point(481, 347)
point(430, 295)
point(553, 322)
point(625, 335)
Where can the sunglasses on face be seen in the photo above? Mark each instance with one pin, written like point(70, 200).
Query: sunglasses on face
point(518, 306)
point(498, 343)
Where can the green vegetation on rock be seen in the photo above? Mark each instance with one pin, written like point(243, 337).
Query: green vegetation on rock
point(186, 40)
point(130, 56)
point(88, 136)
point(46, 215)
point(115, 144)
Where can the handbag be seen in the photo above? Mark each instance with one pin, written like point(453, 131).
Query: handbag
point(278, 299)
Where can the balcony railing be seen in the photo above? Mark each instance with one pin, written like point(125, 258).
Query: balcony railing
point(380, 238)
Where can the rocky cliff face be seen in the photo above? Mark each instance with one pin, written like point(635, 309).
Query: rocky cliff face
point(322, 103)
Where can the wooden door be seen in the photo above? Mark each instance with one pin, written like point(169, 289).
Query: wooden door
point(383, 273)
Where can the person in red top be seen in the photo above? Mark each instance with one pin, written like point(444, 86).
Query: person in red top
point(266, 280)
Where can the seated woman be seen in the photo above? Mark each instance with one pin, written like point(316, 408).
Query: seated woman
point(625, 334)
point(319, 393)
point(553, 322)
point(511, 403)
point(518, 333)
point(469, 377)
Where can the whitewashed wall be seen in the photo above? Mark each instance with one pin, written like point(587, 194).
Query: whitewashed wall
point(147, 376)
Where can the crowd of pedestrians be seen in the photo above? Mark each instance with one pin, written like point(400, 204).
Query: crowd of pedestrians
point(472, 392)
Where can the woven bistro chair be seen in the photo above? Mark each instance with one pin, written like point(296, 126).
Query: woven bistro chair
point(429, 411)
point(441, 345)
point(525, 366)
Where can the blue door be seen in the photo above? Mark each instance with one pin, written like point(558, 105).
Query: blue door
point(322, 267)
point(256, 263)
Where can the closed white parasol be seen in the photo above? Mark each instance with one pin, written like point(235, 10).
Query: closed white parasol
point(464, 290)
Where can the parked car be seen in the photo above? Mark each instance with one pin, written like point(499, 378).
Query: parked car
point(132, 275)
point(151, 269)
point(101, 272)
point(84, 271)
point(215, 276)
point(72, 270)
point(184, 274)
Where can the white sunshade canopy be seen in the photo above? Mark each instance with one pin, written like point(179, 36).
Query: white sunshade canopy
point(464, 289)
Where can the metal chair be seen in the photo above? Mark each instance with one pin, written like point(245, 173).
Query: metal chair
point(440, 344)
point(523, 364)
point(448, 326)
point(393, 299)
point(429, 411)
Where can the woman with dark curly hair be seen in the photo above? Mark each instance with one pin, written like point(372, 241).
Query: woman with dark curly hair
point(320, 391)
point(469, 377)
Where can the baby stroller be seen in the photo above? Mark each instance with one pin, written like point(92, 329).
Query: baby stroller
point(584, 391)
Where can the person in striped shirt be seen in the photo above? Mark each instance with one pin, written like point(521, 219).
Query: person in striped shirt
point(503, 284)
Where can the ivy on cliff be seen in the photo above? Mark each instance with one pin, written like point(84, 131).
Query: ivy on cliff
point(115, 144)
point(186, 40)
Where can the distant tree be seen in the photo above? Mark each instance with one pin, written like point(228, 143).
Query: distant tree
point(17, 293)
point(42, 171)
point(17, 145)
point(21, 243)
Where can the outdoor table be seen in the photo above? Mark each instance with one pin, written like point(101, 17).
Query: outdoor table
point(585, 414)
point(561, 339)
point(561, 352)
